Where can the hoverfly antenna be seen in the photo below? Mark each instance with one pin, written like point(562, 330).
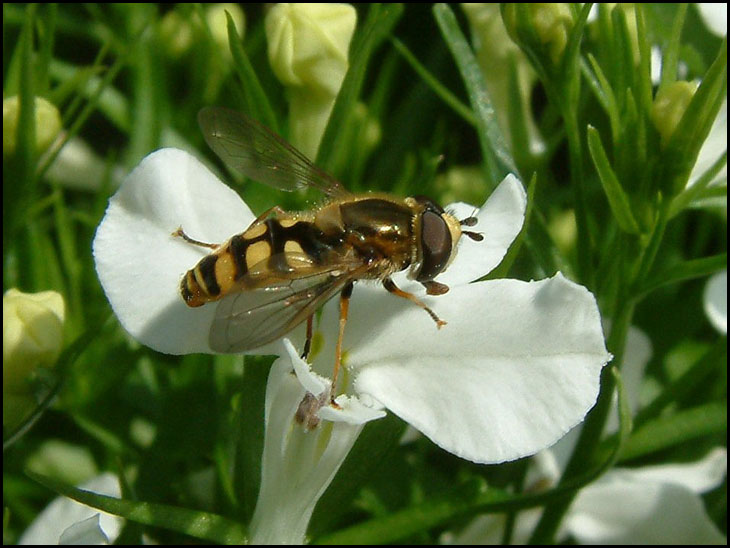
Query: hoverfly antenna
point(471, 221)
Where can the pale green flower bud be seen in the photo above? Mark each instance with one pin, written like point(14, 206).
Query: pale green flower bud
point(176, 33)
point(32, 338)
point(551, 22)
point(47, 124)
point(308, 47)
point(669, 106)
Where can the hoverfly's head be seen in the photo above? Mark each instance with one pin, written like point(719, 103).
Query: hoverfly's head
point(437, 234)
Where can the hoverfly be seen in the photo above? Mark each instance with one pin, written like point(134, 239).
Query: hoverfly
point(285, 265)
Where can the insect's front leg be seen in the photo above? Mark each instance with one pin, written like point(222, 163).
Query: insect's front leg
point(389, 284)
point(179, 233)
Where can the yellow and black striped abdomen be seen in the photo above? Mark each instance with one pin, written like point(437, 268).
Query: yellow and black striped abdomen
point(264, 245)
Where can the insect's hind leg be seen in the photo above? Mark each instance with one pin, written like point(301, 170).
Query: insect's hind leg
point(344, 308)
point(179, 233)
point(389, 284)
point(308, 342)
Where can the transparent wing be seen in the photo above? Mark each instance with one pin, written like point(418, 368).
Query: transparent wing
point(276, 296)
point(257, 152)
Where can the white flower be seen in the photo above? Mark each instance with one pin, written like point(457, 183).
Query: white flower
point(66, 521)
point(645, 505)
point(516, 367)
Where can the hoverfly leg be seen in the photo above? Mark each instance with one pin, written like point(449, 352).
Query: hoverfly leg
point(389, 284)
point(179, 233)
point(308, 342)
point(344, 307)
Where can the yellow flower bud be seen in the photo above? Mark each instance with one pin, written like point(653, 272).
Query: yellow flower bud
point(47, 124)
point(669, 106)
point(32, 338)
point(308, 52)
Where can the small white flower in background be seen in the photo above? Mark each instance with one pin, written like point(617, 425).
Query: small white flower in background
point(32, 338)
point(66, 521)
point(516, 367)
point(308, 52)
point(645, 505)
point(714, 15)
point(715, 301)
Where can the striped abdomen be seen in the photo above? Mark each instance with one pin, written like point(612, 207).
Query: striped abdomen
point(244, 261)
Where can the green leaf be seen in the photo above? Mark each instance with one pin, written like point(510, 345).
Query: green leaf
point(378, 25)
point(430, 80)
point(680, 154)
point(687, 270)
point(604, 94)
point(257, 102)
point(617, 198)
point(680, 427)
point(714, 360)
point(495, 153)
point(370, 452)
point(670, 59)
point(202, 525)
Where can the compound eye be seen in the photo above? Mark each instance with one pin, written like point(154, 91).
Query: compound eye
point(435, 245)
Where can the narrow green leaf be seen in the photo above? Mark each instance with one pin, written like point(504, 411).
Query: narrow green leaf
point(378, 25)
point(680, 153)
point(700, 187)
point(570, 63)
point(257, 102)
point(202, 525)
point(670, 59)
point(430, 80)
point(687, 270)
point(369, 453)
point(495, 152)
point(683, 426)
point(617, 198)
point(604, 94)
point(681, 388)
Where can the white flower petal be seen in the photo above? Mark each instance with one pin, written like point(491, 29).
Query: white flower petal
point(515, 368)
point(623, 508)
point(351, 411)
point(698, 477)
point(500, 219)
point(715, 300)
point(87, 532)
point(714, 15)
point(139, 262)
point(310, 381)
point(63, 513)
